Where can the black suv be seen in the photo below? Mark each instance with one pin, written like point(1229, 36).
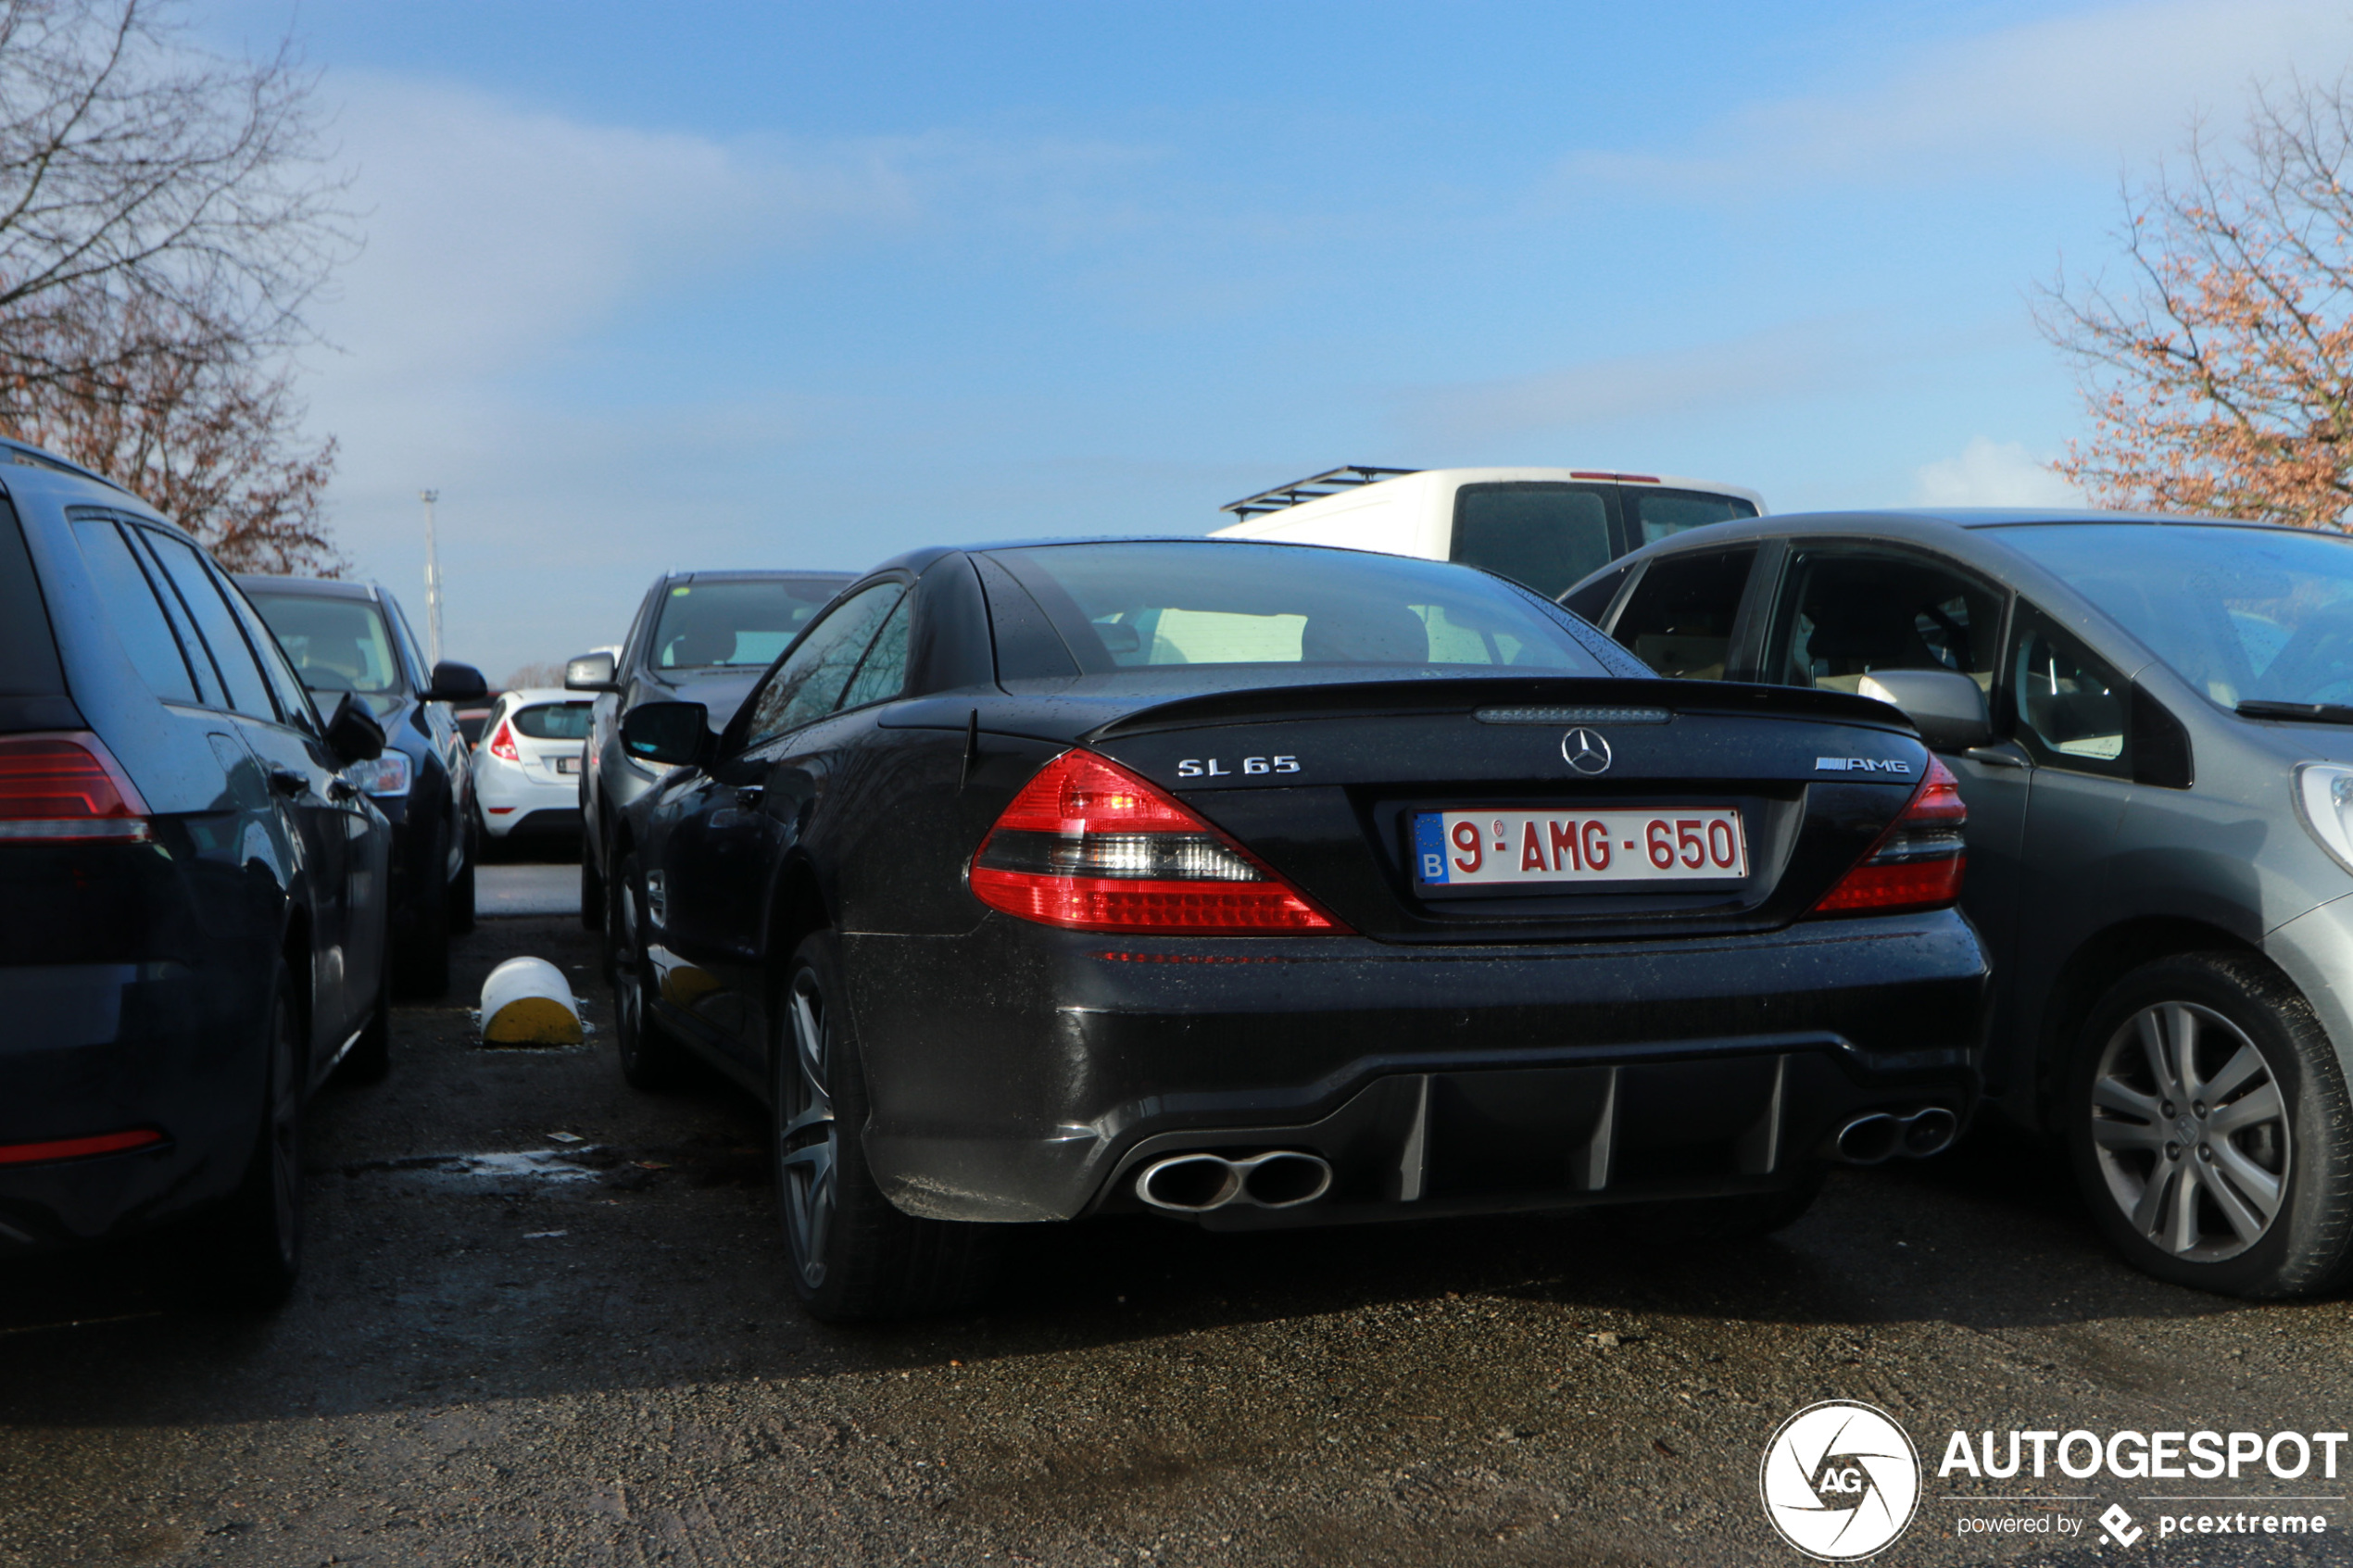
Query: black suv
point(352, 638)
point(193, 923)
point(699, 636)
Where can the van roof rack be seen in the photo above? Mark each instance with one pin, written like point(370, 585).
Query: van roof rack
point(1313, 487)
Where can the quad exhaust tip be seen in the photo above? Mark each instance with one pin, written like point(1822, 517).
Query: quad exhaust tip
point(1881, 1135)
point(1195, 1184)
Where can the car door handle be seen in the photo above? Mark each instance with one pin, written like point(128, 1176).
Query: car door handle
point(288, 782)
point(341, 788)
point(2001, 754)
point(748, 796)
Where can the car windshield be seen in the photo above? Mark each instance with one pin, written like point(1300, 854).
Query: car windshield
point(2242, 614)
point(336, 644)
point(710, 625)
point(1175, 602)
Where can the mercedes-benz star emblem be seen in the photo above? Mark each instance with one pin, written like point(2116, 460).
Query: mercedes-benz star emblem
point(1586, 750)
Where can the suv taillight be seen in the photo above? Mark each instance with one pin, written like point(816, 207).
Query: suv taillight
point(66, 789)
point(502, 745)
point(1917, 863)
point(1088, 846)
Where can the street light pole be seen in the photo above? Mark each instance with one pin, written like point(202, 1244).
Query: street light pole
point(432, 581)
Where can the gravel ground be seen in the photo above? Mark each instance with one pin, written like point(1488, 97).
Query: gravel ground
point(588, 1352)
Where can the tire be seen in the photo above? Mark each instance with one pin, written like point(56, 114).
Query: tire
point(1705, 1221)
point(650, 1059)
point(247, 1253)
point(592, 890)
point(461, 891)
point(2207, 1119)
point(423, 959)
point(854, 1257)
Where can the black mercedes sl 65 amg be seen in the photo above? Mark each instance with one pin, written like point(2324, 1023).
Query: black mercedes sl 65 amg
point(1270, 885)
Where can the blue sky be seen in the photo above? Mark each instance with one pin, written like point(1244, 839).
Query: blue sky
point(779, 284)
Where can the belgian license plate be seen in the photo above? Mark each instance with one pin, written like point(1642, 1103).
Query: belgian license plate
point(567, 764)
point(1630, 844)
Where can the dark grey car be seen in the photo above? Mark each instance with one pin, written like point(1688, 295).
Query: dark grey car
point(697, 636)
point(2149, 717)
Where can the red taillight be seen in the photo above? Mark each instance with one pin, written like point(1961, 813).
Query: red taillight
point(77, 1148)
point(1089, 846)
point(502, 745)
point(1917, 863)
point(66, 789)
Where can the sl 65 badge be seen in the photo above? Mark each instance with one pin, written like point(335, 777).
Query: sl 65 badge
point(1210, 768)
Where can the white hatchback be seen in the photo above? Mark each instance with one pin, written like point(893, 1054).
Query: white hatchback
point(527, 768)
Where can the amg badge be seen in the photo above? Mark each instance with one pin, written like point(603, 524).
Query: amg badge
point(1859, 765)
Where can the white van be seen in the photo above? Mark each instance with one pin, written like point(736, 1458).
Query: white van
point(1545, 527)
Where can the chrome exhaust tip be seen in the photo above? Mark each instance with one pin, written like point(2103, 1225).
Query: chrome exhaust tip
point(1869, 1139)
point(1189, 1184)
point(1930, 1132)
point(1284, 1179)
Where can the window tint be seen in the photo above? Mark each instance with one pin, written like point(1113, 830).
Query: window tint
point(883, 674)
point(248, 692)
point(1157, 603)
point(716, 623)
point(1659, 514)
point(336, 644)
point(2073, 710)
point(28, 664)
point(1546, 536)
point(1848, 615)
point(806, 687)
point(1679, 618)
point(555, 720)
point(130, 603)
point(1592, 600)
point(294, 698)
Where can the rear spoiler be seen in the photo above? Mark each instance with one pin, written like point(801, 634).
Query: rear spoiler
point(1347, 699)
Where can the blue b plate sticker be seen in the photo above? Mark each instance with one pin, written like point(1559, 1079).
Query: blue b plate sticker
point(1429, 845)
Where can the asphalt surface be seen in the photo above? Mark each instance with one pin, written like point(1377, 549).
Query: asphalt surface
point(514, 1347)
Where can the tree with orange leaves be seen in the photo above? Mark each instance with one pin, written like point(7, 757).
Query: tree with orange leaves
point(2220, 379)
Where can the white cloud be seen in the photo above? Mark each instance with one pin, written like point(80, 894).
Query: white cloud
point(2093, 86)
point(1992, 473)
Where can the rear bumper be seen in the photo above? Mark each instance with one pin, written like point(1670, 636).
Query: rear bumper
point(97, 1049)
point(1020, 1073)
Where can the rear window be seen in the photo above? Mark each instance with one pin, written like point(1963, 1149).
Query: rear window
point(716, 624)
point(554, 721)
point(1548, 536)
point(1160, 603)
point(1661, 514)
point(27, 657)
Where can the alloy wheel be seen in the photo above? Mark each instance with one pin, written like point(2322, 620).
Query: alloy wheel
point(2190, 1130)
point(806, 1137)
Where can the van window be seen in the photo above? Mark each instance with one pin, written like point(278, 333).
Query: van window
point(1679, 618)
point(1661, 514)
point(130, 602)
point(1547, 536)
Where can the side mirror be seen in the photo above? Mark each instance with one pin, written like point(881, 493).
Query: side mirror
point(1944, 704)
point(453, 681)
point(352, 734)
point(589, 672)
point(675, 733)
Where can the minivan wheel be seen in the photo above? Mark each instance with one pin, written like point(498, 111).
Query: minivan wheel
point(649, 1059)
point(854, 1256)
point(248, 1252)
point(2207, 1119)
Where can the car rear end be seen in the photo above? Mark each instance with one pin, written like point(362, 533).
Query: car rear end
point(527, 770)
point(132, 941)
point(1446, 945)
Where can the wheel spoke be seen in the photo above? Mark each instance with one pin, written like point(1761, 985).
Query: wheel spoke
point(815, 1116)
point(2244, 1063)
point(2180, 1029)
point(2146, 1212)
point(2250, 1109)
point(2261, 1188)
point(2244, 1219)
point(2181, 1229)
point(2152, 1031)
point(816, 1158)
point(821, 1212)
point(2110, 1094)
point(2110, 1133)
point(808, 1049)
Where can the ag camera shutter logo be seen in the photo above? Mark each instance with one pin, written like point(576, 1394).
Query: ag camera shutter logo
point(1840, 1480)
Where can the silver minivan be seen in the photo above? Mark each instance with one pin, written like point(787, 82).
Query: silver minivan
point(2151, 718)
